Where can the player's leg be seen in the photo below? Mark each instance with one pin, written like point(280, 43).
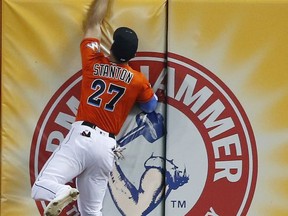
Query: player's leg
point(92, 183)
point(64, 165)
point(61, 168)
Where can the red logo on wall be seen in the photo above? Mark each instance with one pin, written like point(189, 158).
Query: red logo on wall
point(207, 130)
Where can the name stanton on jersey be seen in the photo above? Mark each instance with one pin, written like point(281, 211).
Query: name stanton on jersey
point(113, 71)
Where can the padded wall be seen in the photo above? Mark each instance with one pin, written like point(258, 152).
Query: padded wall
point(217, 143)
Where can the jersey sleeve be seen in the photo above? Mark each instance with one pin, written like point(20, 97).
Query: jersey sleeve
point(90, 49)
point(146, 92)
point(150, 105)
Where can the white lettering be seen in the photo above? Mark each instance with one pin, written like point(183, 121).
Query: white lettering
point(171, 82)
point(187, 89)
point(232, 170)
point(211, 212)
point(64, 120)
point(212, 113)
point(53, 140)
point(215, 119)
point(73, 211)
point(226, 142)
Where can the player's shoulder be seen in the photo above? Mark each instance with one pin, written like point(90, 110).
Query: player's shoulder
point(136, 74)
point(134, 71)
point(91, 43)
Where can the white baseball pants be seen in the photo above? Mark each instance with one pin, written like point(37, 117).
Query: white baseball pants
point(86, 154)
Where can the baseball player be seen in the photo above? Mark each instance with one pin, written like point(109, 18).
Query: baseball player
point(110, 88)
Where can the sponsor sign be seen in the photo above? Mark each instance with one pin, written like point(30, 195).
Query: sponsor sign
point(208, 162)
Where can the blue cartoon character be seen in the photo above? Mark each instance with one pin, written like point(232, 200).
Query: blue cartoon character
point(166, 176)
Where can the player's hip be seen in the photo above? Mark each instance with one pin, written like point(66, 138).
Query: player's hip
point(86, 133)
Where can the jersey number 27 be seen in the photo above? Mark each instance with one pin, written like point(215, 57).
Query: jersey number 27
point(100, 88)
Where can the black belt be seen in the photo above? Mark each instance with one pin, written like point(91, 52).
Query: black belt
point(89, 124)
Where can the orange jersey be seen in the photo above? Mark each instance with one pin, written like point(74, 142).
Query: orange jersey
point(108, 90)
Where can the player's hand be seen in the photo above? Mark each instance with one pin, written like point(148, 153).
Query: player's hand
point(118, 152)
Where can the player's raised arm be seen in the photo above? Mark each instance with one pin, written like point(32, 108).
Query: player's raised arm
point(95, 16)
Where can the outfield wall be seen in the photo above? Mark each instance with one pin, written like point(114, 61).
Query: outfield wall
point(217, 143)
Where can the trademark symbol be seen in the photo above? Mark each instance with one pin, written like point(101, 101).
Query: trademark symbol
point(178, 204)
